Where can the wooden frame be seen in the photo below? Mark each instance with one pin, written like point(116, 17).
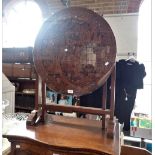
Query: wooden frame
point(69, 109)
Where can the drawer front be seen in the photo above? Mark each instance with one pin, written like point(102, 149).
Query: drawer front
point(19, 70)
point(27, 148)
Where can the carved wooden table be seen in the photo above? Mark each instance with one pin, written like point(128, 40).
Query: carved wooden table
point(64, 136)
point(74, 52)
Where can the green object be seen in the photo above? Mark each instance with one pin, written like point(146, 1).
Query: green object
point(145, 123)
point(141, 122)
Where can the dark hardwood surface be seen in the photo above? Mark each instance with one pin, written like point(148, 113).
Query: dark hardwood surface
point(130, 150)
point(64, 134)
point(70, 109)
point(75, 50)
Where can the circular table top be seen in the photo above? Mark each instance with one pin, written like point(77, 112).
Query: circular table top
point(75, 51)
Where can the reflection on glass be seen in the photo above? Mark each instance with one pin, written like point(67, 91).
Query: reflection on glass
point(5, 103)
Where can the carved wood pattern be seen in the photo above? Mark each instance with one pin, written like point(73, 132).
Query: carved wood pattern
point(74, 50)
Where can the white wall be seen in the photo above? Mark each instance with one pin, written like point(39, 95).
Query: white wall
point(125, 28)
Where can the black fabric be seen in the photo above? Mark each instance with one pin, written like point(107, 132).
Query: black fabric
point(124, 103)
point(92, 100)
point(130, 74)
point(129, 78)
point(95, 99)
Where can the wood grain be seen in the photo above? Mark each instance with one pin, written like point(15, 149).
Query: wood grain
point(131, 150)
point(63, 135)
point(75, 50)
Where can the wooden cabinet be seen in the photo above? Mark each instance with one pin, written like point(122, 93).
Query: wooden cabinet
point(18, 63)
point(14, 55)
point(19, 70)
point(24, 102)
point(24, 95)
